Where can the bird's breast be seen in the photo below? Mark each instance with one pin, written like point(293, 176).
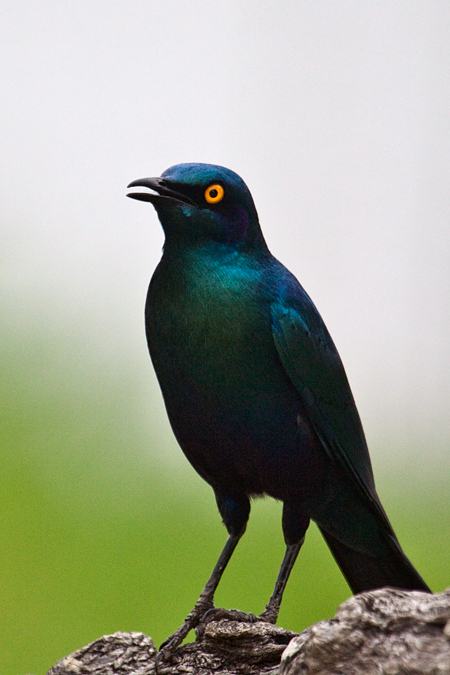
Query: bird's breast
point(207, 326)
point(230, 402)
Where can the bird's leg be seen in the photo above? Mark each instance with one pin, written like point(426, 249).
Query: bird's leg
point(270, 614)
point(206, 599)
point(295, 524)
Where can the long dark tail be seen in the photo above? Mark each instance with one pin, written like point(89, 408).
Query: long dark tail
point(364, 573)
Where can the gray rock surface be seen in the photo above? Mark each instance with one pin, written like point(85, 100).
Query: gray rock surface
point(383, 632)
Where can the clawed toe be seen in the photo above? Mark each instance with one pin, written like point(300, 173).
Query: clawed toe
point(199, 622)
point(268, 616)
point(219, 613)
point(174, 641)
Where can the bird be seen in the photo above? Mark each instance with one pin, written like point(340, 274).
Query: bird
point(255, 390)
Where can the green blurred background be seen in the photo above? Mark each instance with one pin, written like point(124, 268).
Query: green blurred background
point(98, 535)
point(336, 115)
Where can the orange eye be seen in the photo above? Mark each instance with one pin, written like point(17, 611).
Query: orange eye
point(214, 194)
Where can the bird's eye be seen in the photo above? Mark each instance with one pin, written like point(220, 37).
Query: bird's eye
point(214, 193)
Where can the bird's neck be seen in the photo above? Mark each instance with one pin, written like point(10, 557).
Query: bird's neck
point(208, 270)
point(181, 248)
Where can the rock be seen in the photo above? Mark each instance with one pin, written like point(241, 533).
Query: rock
point(382, 632)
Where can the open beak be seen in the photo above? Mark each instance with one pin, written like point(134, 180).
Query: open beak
point(161, 192)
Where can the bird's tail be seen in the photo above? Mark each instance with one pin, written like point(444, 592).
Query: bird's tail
point(365, 573)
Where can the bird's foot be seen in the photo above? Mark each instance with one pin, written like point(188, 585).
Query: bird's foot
point(219, 613)
point(269, 615)
point(191, 621)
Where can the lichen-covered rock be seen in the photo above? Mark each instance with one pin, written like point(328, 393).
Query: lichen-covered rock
point(231, 648)
point(124, 653)
point(382, 632)
point(226, 648)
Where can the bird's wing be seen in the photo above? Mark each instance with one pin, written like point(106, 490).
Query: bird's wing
point(313, 364)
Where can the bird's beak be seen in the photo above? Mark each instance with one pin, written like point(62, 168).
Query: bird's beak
point(161, 192)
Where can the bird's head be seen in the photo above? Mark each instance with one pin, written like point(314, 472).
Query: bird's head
point(201, 202)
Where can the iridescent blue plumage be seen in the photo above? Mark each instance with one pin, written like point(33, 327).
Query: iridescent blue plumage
point(254, 387)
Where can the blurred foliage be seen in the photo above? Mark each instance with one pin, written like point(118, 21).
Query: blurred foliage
point(99, 534)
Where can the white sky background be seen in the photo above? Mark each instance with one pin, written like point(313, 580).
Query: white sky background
point(336, 114)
